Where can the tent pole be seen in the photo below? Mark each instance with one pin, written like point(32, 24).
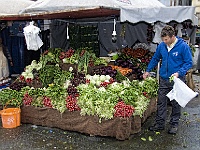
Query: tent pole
point(158, 69)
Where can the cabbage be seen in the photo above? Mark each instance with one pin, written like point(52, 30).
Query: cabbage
point(107, 77)
point(96, 77)
point(102, 78)
point(98, 83)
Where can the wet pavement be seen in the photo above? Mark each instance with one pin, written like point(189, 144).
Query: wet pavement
point(32, 137)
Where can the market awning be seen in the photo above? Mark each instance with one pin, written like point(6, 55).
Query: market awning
point(153, 14)
point(11, 8)
point(69, 9)
point(129, 10)
point(75, 13)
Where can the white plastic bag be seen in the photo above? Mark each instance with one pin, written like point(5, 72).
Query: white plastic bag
point(181, 93)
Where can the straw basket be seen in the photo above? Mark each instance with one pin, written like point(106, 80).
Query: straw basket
point(10, 117)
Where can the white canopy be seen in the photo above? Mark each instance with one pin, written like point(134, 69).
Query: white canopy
point(52, 6)
point(153, 14)
point(130, 10)
point(12, 7)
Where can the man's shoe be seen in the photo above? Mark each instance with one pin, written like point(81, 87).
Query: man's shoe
point(156, 127)
point(173, 130)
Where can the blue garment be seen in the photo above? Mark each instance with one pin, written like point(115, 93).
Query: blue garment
point(178, 59)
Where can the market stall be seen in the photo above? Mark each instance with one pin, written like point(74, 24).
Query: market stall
point(75, 90)
point(104, 103)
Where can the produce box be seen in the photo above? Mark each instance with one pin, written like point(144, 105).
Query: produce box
point(35, 84)
point(66, 66)
point(91, 70)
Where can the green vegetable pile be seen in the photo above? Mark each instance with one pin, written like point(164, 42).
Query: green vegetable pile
point(63, 90)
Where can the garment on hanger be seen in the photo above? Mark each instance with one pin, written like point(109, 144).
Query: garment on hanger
point(32, 38)
point(58, 30)
point(4, 70)
point(157, 29)
point(179, 28)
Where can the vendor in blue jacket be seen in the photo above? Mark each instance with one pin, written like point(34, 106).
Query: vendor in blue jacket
point(176, 60)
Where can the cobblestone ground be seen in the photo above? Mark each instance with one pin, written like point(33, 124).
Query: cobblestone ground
point(31, 137)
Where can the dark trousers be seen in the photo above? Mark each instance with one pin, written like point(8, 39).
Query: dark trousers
point(165, 86)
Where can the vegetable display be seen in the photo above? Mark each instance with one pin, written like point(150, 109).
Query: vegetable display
point(106, 93)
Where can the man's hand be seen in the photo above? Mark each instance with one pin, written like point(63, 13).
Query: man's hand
point(175, 74)
point(145, 75)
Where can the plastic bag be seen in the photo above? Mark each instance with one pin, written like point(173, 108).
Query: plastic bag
point(181, 93)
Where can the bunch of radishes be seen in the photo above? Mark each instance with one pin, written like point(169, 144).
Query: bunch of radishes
point(123, 110)
point(47, 102)
point(66, 54)
point(72, 103)
point(27, 99)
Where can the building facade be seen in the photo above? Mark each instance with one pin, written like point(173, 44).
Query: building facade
point(176, 2)
point(196, 3)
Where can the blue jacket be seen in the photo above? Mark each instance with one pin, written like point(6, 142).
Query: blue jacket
point(178, 59)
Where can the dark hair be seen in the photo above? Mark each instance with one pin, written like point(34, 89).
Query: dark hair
point(168, 31)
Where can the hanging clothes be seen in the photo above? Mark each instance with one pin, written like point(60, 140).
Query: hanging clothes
point(32, 38)
point(179, 28)
point(4, 69)
point(58, 30)
point(157, 29)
